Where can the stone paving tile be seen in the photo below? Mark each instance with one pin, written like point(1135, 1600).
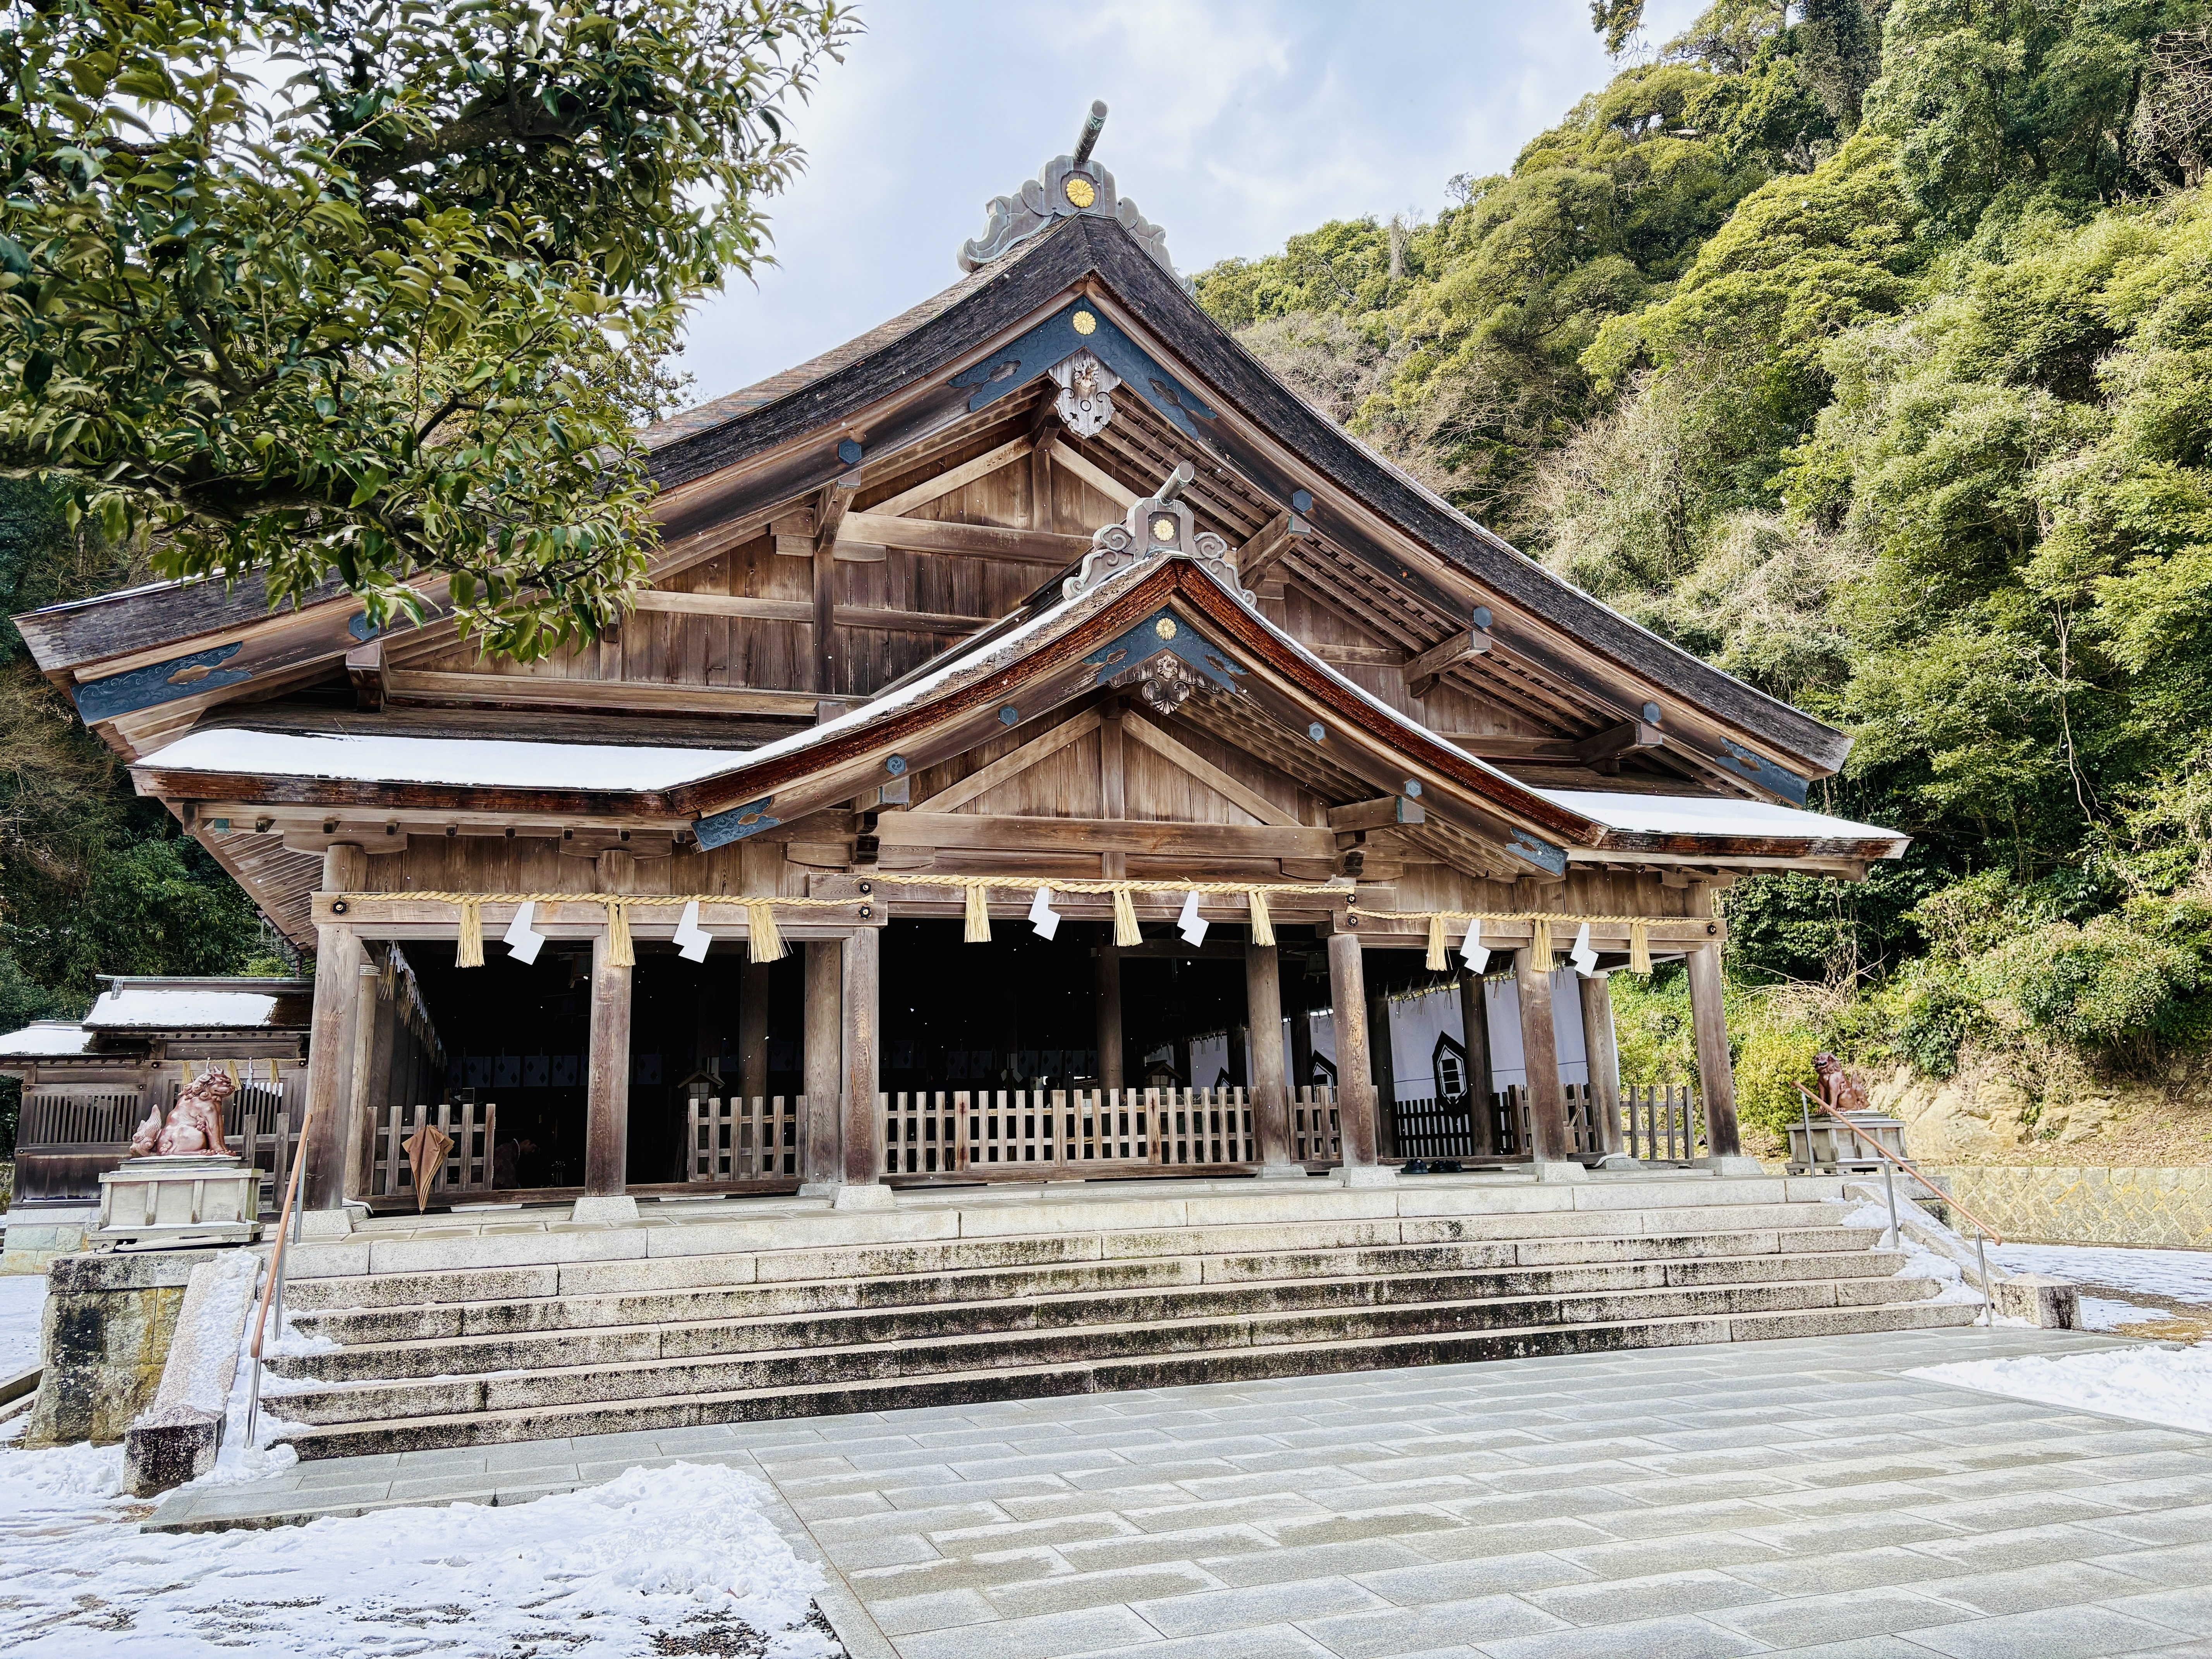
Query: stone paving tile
point(1876, 1610)
point(2191, 1523)
point(1294, 1600)
point(1654, 1638)
point(1271, 1641)
point(2187, 1610)
point(1397, 1630)
point(940, 1610)
point(1622, 1600)
point(1684, 1552)
point(2023, 1590)
point(1053, 1636)
point(1277, 1566)
point(1068, 1592)
point(2082, 1633)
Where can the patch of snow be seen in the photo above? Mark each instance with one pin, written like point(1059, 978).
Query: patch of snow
point(1920, 1262)
point(2101, 1314)
point(22, 1312)
point(2167, 1386)
point(489, 762)
point(46, 1039)
point(2185, 1275)
point(1709, 815)
point(592, 1573)
point(140, 1005)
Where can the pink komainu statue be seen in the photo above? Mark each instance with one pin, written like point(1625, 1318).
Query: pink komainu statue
point(195, 1125)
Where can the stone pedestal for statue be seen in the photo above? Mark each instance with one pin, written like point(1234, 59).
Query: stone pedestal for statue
point(179, 1199)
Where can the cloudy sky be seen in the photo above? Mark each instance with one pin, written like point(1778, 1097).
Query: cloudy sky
point(1235, 123)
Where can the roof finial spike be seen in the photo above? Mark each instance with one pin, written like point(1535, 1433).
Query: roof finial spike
point(1175, 480)
point(1091, 129)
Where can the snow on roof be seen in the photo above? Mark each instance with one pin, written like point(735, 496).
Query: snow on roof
point(486, 761)
point(146, 1008)
point(1709, 815)
point(46, 1039)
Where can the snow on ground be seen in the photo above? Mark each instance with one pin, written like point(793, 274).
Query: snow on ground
point(1920, 1262)
point(23, 1304)
point(671, 1553)
point(2172, 1386)
point(2121, 1286)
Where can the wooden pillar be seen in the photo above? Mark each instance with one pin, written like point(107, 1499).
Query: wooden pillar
point(606, 1083)
point(1475, 1032)
point(378, 1020)
point(1716, 1071)
point(752, 1030)
point(862, 960)
point(1385, 1071)
point(330, 1043)
point(1263, 1011)
point(824, 1162)
point(1110, 1012)
point(825, 618)
point(1355, 1080)
point(1549, 1140)
point(1598, 1043)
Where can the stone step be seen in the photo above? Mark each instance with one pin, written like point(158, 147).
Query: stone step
point(416, 1424)
point(466, 1337)
point(672, 1257)
point(442, 1379)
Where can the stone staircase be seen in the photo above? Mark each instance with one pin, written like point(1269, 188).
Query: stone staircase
point(476, 1353)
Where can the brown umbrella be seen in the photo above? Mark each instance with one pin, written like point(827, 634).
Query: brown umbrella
point(426, 1154)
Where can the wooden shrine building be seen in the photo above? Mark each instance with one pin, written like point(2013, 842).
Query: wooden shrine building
point(985, 658)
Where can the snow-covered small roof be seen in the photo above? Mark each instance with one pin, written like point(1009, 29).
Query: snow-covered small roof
point(46, 1039)
point(1711, 815)
point(489, 762)
point(201, 1005)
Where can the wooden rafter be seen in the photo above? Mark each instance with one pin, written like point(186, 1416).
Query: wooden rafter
point(1148, 736)
point(1012, 764)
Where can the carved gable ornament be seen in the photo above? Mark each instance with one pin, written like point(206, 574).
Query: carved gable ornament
point(1069, 186)
point(1158, 527)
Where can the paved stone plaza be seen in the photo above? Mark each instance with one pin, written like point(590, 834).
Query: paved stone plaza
point(1796, 1495)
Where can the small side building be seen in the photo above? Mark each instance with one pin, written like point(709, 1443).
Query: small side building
point(89, 1084)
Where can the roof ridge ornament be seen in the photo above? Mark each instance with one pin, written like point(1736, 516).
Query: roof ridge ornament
point(1161, 525)
point(1068, 186)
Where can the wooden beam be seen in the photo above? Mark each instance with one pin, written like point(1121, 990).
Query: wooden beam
point(953, 478)
point(1608, 746)
point(365, 667)
point(1383, 811)
point(825, 618)
point(529, 691)
point(981, 540)
point(1150, 737)
point(1423, 672)
point(794, 534)
point(879, 619)
point(1043, 514)
point(1273, 539)
point(1011, 764)
point(1093, 474)
point(606, 1076)
point(978, 831)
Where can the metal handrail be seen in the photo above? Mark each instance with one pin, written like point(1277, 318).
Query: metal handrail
point(1890, 1160)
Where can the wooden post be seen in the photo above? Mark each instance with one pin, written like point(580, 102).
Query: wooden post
point(1385, 1070)
point(821, 1161)
point(862, 959)
point(1110, 1012)
point(378, 1021)
point(606, 1085)
point(1550, 1143)
point(825, 618)
point(1263, 1011)
point(1598, 1043)
point(752, 1030)
point(1355, 1081)
point(1715, 1072)
point(330, 1043)
point(1475, 1032)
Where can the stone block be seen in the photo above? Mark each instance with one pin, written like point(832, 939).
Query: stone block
point(2051, 1304)
point(167, 1446)
point(109, 1321)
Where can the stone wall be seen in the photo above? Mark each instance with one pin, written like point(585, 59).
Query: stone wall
point(108, 1323)
point(2056, 1205)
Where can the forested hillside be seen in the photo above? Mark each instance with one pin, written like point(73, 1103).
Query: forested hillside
point(1865, 347)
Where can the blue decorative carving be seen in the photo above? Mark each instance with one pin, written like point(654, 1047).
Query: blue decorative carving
point(721, 829)
point(850, 452)
point(1164, 631)
point(160, 681)
point(1542, 853)
point(1763, 773)
point(1031, 356)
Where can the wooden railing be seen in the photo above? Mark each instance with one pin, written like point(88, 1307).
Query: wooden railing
point(1656, 1123)
point(468, 1166)
point(1314, 1137)
point(737, 1139)
point(1663, 1122)
point(1044, 1132)
point(57, 1118)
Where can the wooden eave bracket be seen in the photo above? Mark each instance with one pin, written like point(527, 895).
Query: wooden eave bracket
point(1423, 672)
